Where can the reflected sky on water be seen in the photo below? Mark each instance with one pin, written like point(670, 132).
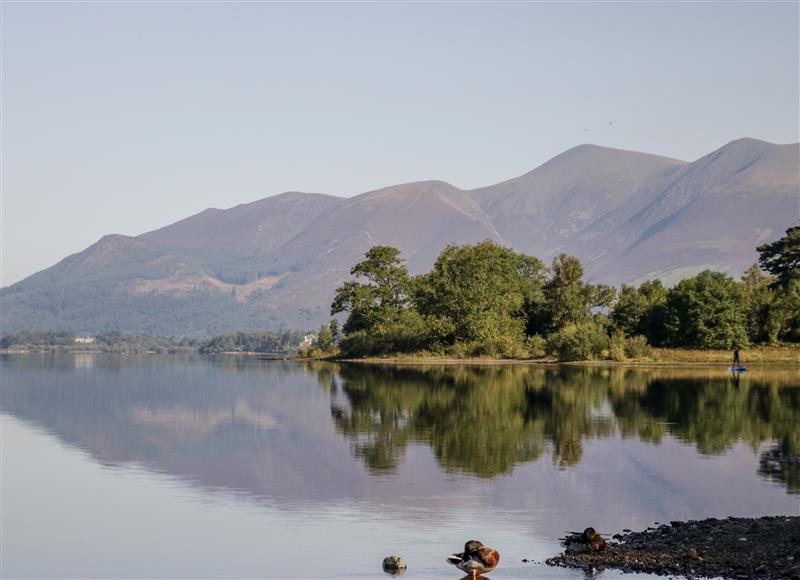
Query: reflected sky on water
point(167, 467)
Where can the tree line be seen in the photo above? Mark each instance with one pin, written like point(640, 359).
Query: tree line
point(285, 342)
point(488, 300)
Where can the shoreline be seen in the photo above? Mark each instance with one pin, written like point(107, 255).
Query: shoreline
point(756, 358)
point(764, 547)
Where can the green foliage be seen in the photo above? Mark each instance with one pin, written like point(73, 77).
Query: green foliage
point(29, 339)
point(381, 297)
point(486, 300)
point(325, 337)
point(537, 346)
point(263, 342)
point(757, 302)
point(585, 340)
point(781, 258)
point(408, 332)
point(704, 311)
point(785, 313)
point(637, 347)
point(336, 331)
point(114, 341)
point(480, 294)
point(567, 298)
point(640, 311)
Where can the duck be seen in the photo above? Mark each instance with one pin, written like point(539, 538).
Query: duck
point(475, 559)
point(588, 541)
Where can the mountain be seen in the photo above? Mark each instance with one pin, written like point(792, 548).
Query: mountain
point(275, 262)
point(258, 228)
point(540, 211)
point(710, 213)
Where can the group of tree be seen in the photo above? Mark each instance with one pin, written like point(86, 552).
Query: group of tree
point(488, 300)
point(261, 342)
point(284, 343)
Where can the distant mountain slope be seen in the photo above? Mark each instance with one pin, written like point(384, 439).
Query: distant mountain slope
point(709, 213)
point(259, 228)
point(539, 211)
point(419, 218)
point(276, 262)
point(134, 285)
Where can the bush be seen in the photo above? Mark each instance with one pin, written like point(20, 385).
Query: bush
point(582, 341)
point(637, 347)
point(536, 346)
point(616, 347)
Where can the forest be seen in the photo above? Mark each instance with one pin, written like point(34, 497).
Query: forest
point(488, 300)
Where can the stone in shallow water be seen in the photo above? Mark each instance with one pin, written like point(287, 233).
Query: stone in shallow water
point(394, 564)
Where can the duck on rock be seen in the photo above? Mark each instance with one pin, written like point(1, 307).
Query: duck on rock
point(588, 541)
point(475, 559)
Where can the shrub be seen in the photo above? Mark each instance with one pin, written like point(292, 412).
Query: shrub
point(616, 347)
point(536, 346)
point(581, 341)
point(637, 347)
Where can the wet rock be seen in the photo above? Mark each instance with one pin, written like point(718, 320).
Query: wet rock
point(394, 565)
point(768, 550)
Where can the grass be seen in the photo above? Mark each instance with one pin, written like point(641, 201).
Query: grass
point(755, 355)
point(680, 356)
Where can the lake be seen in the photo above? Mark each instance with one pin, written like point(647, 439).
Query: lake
point(192, 467)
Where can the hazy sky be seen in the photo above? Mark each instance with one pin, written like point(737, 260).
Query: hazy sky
point(124, 117)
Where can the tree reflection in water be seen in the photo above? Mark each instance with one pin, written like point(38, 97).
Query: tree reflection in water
point(485, 420)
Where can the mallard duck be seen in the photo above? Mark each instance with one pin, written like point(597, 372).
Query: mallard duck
point(588, 541)
point(475, 559)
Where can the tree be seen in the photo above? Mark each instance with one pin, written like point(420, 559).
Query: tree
point(757, 300)
point(325, 337)
point(640, 311)
point(567, 298)
point(335, 330)
point(704, 311)
point(785, 312)
point(782, 257)
point(383, 295)
point(479, 293)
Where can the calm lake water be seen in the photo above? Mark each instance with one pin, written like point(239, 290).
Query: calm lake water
point(189, 467)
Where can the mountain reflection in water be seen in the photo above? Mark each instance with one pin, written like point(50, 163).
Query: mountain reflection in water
point(267, 435)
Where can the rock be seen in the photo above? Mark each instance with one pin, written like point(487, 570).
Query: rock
point(394, 565)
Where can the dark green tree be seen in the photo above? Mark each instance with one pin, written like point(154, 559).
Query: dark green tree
point(479, 294)
point(785, 312)
point(335, 331)
point(705, 311)
point(640, 311)
point(781, 258)
point(567, 298)
point(383, 294)
point(757, 300)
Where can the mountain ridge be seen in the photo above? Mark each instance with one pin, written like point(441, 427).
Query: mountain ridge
point(276, 261)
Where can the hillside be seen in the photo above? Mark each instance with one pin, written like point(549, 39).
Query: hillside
point(275, 262)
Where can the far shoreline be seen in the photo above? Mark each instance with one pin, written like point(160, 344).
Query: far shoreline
point(757, 357)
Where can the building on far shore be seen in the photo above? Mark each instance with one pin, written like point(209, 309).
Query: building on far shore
point(84, 339)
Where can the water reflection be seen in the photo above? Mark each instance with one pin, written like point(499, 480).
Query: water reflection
point(201, 463)
point(267, 428)
point(485, 420)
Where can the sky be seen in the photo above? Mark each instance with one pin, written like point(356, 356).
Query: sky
point(122, 117)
